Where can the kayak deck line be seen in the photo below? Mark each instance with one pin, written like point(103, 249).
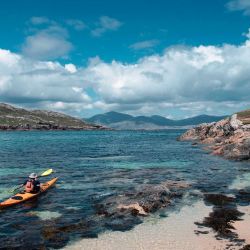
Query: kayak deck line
point(23, 196)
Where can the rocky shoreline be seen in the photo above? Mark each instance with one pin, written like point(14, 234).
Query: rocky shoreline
point(48, 126)
point(229, 137)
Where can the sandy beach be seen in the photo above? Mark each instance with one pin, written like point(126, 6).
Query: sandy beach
point(242, 226)
point(177, 231)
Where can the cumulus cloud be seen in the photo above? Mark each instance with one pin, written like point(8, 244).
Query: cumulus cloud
point(239, 5)
point(70, 67)
point(49, 43)
point(106, 24)
point(40, 83)
point(182, 81)
point(144, 44)
point(202, 74)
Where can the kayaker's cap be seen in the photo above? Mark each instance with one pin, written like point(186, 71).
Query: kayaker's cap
point(33, 176)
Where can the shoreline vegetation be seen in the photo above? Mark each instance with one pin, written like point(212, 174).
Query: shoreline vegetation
point(18, 119)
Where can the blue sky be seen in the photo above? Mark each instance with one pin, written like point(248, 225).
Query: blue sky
point(139, 57)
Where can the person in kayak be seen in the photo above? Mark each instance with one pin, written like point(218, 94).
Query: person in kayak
point(32, 185)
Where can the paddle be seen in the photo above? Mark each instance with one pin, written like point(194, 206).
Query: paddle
point(45, 173)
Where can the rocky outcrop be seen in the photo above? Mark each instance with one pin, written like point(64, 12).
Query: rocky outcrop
point(12, 118)
point(229, 137)
point(147, 198)
point(135, 207)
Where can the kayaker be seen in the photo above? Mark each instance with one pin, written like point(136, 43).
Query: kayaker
point(32, 185)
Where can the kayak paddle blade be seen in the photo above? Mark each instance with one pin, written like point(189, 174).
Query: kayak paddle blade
point(47, 172)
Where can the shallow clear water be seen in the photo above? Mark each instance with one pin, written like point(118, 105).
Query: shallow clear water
point(92, 165)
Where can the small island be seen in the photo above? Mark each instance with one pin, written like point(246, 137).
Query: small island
point(13, 118)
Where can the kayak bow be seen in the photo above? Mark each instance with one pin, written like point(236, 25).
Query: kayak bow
point(23, 196)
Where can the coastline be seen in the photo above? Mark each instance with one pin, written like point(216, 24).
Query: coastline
point(177, 231)
point(229, 138)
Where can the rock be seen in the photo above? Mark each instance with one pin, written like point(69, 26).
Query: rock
point(246, 127)
point(122, 221)
point(122, 211)
point(218, 151)
point(134, 206)
point(189, 135)
point(229, 137)
point(234, 122)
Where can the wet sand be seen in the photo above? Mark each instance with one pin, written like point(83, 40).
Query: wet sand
point(242, 227)
point(177, 231)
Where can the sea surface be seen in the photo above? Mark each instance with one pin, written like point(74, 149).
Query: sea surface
point(92, 165)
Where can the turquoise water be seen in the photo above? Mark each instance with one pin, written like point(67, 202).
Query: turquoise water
point(92, 165)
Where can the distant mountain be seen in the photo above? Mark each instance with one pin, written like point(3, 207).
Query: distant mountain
point(122, 121)
point(12, 118)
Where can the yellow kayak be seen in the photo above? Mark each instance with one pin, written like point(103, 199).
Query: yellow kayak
point(23, 196)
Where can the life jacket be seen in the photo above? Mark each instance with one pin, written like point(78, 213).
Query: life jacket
point(29, 187)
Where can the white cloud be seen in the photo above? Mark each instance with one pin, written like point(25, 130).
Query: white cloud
point(8, 59)
point(49, 43)
point(182, 81)
point(70, 68)
point(239, 5)
point(106, 24)
point(144, 44)
point(202, 74)
point(39, 20)
point(247, 34)
point(40, 84)
point(76, 24)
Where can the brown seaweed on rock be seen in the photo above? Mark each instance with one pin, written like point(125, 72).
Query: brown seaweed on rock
point(220, 220)
point(246, 247)
point(222, 217)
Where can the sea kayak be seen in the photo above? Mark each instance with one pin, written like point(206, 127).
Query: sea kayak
point(23, 196)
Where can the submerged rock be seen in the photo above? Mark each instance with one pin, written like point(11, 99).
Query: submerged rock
point(218, 199)
point(121, 211)
point(135, 208)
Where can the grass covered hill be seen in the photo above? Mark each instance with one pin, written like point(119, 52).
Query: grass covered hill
point(244, 116)
point(13, 118)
